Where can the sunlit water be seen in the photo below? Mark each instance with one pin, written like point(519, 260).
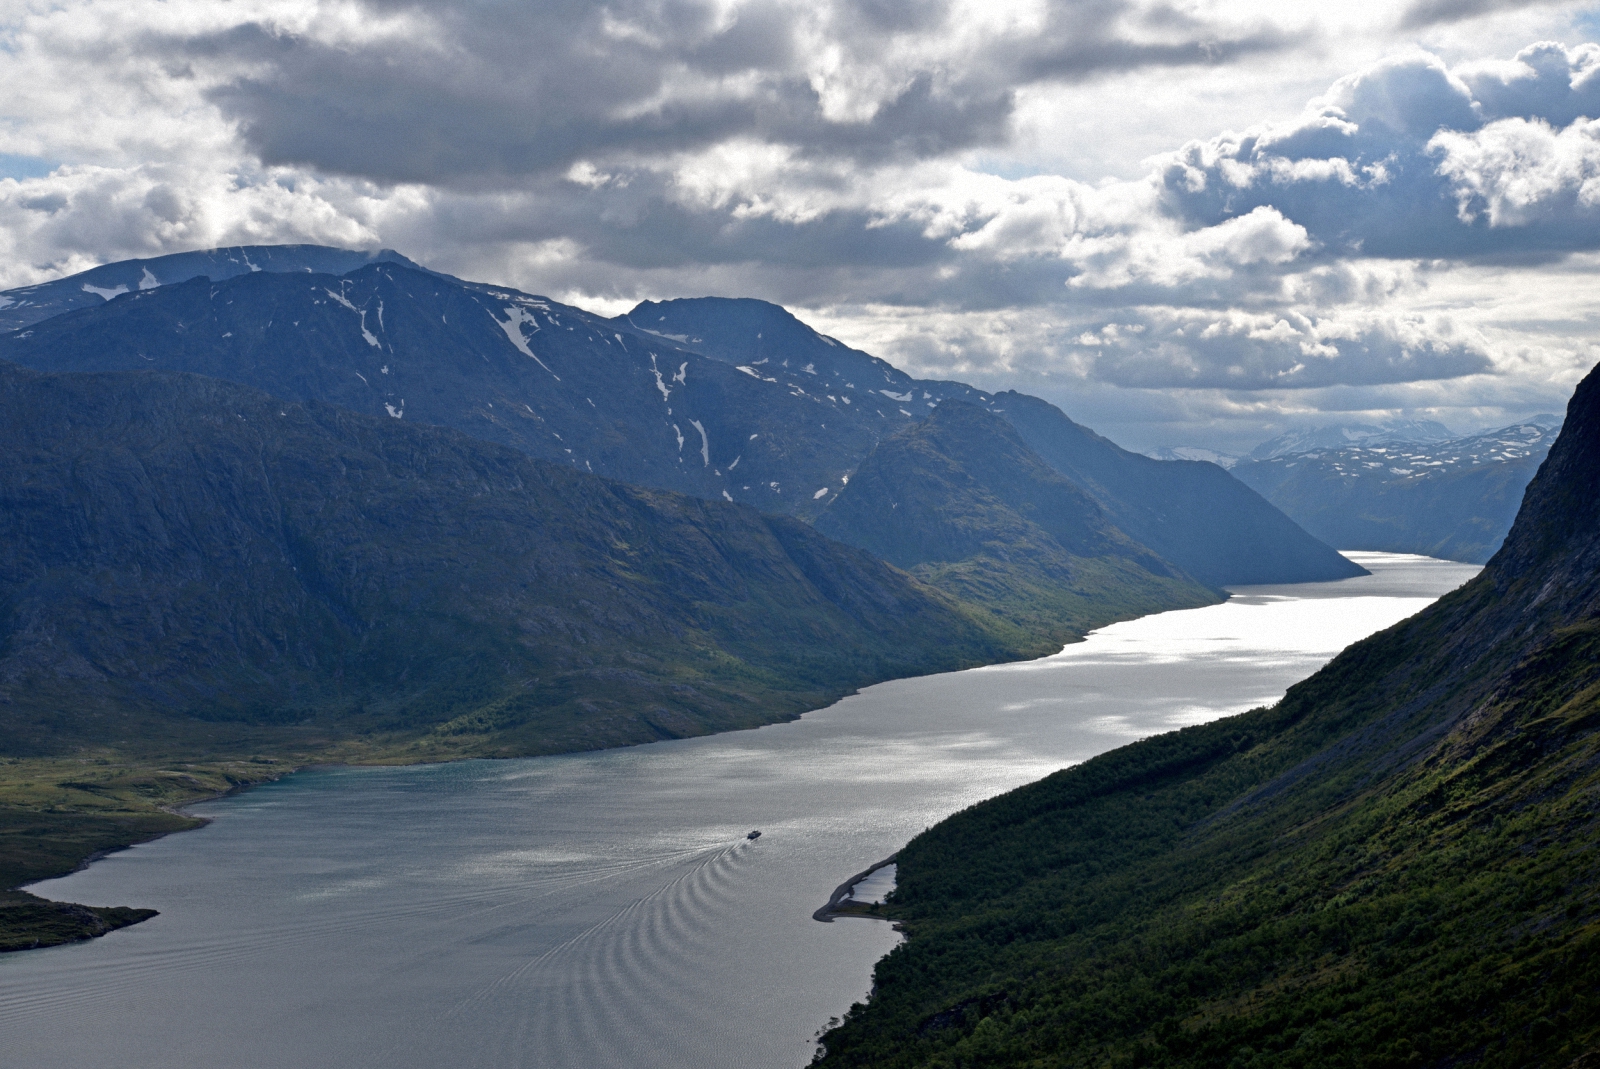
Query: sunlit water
point(605, 909)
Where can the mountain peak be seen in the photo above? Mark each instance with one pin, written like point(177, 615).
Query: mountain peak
point(1554, 533)
point(32, 304)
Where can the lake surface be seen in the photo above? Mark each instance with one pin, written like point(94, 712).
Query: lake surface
point(605, 909)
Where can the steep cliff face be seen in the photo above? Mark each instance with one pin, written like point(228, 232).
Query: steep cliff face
point(1396, 865)
point(177, 551)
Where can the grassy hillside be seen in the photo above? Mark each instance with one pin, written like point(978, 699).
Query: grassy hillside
point(1397, 865)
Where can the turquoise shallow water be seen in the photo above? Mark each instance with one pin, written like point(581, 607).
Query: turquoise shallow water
point(605, 909)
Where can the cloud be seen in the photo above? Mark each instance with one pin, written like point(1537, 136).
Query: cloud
point(1240, 350)
point(1413, 159)
point(485, 92)
point(1426, 13)
point(1522, 173)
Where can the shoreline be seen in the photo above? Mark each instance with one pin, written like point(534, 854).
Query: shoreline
point(843, 891)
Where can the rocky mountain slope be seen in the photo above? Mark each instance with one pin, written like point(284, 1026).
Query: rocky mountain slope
point(962, 503)
point(1453, 499)
point(1397, 865)
point(184, 560)
point(724, 399)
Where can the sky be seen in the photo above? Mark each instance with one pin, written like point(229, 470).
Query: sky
point(1194, 224)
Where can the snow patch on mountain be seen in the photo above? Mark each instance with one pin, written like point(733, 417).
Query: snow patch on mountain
point(512, 325)
point(661, 384)
point(705, 443)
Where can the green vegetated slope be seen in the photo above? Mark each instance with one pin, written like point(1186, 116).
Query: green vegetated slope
point(962, 503)
point(185, 562)
point(1397, 865)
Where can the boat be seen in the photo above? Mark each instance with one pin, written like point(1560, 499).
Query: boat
point(753, 835)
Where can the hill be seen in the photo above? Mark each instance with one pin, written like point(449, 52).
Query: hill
point(184, 561)
point(1394, 866)
point(548, 379)
point(962, 503)
point(1453, 499)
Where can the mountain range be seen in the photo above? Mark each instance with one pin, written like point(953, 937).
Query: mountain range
point(87, 289)
point(1453, 498)
point(1340, 436)
point(1393, 866)
point(724, 399)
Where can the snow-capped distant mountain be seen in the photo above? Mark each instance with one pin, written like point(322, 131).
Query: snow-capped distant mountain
point(1454, 499)
point(33, 304)
point(1195, 452)
point(1338, 437)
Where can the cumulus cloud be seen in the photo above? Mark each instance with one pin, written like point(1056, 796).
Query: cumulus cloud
point(1411, 158)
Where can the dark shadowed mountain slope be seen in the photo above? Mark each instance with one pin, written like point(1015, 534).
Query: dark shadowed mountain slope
point(1192, 513)
point(1453, 499)
point(499, 365)
point(1397, 865)
point(181, 558)
point(775, 416)
point(960, 501)
point(87, 289)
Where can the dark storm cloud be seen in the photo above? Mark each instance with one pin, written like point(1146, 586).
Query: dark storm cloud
point(1435, 12)
point(1087, 38)
point(482, 93)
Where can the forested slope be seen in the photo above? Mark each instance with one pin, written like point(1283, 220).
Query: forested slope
point(1397, 865)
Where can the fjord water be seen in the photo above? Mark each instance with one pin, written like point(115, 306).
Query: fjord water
point(606, 909)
